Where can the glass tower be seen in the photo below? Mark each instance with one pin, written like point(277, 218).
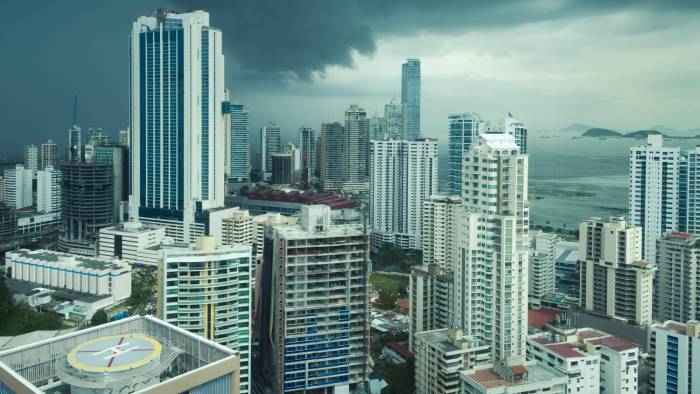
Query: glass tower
point(463, 130)
point(410, 98)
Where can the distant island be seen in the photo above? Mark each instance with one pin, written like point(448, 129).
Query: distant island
point(598, 132)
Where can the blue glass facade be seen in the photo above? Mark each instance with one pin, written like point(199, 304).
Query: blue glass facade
point(410, 98)
point(672, 365)
point(463, 130)
point(205, 112)
point(689, 193)
point(240, 144)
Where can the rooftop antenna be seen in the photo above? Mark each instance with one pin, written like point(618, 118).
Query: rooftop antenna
point(75, 110)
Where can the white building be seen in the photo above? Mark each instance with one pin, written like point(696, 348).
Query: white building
point(205, 290)
point(675, 357)
point(238, 229)
point(542, 280)
point(18, 187)
point(614, 280)
point(34, 223)
point(677, 286)
point(49, 155)
point(403, 174)
point(430, 290)
point(31, 157)
point(178, 157)
point(270, 142)
point(72, 272)
point(439, 214)
point(48, 190)
point(654, 191)
point(490, 262)
point(440, 357)
point(515, 377)
point(516, 128)
point(130, 242)
point(259, 224)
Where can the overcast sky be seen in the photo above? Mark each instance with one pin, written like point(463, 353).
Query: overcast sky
point(616, 64)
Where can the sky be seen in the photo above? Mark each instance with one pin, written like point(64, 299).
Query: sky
point(617, 64)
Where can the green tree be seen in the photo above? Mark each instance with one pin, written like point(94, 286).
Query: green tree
point(100, 317)
point(387, 299)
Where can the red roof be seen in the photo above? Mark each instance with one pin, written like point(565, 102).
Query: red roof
point(539, 318)
point(614, 343)
point(566, 350)
point(303, 197)
point(402, 303)
point(678, 234)
point(402, 351)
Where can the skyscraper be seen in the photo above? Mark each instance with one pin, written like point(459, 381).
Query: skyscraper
point(438, 229)
point(516, 128)
point(355, 144)
point(116, 156)
point(17, 187)
point(177, 94)
point(490, 261)
point(49, 155)
point(48, 193)
point(677, 282)
point(654, 191)
point(689, 199)
point(315, 307)
point(542, 279)
point(377, 128)
point(240, 145)
point(464, 128)
point(332, 164)
point(270, 142)
point(410, 98)
point(307, 145)
point(31, 158)
point(393, 117)
point(403, 175)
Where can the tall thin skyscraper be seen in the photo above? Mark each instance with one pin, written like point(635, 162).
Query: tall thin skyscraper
point(331, 148)
point(689, 199)
point(177, 120)
point(75, 143)
point(654, 191)
point(377, 128)
point(355, 144)
point(464, 129)
point(17, 187)
point(410, 98)
point(240, 145)
point(49, 155)
point(393, 116)
point(270, 142)
point(403, 174)
point(307, 145)
point(490, 262)
point(48, 190)
point(31, 157)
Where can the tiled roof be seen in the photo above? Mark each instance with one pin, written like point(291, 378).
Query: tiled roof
point(614, 343)
point(402, 351)
point(566, 350)
point(538, 318)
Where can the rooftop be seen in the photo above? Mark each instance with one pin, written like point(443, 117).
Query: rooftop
point(401, 350)
point(302, 197)
point(615, 343)
point(132, 227)
point(69, 260)
point(532, 372)
point(566, 350)
point(498, 141)
point(28, 288)
point(538, 318)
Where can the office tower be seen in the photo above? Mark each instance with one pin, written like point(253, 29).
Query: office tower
point(31, 158)
point(240, 145)
point(87, 205)
point(132, 242)
point(49, 155)
point(440, 357)
point(490, 262)
point(403, 175)
point(615, 281)
point(674, 350)
point(48, 190)
point(332, 164)
point(118, 157)
point(514, 377)
point(8, 223)
point(654, 191)
point(677, 286)
point(410, 98)
point(516, 128)
point(689, 199)
point(463, 131)
point(307, 145)
point(315, 307)
point(282, 168)
point(75, 143)
point(217, 308)
point(393, 116)
point(17, 187)
point(178, 133)
point(430, 290)
point(438, 225)
point(270, 142)
point(541, 281)
point(355, 145)
point(124, 137)
point(377, 128)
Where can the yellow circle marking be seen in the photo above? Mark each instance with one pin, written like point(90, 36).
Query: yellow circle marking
point(143, 360)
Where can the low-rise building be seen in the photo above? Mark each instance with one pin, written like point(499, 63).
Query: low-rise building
point(396, 353)
point(129, 241)
point(514, 377)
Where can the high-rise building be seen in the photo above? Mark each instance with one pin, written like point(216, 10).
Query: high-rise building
point(178, 133)
point(430, 289)
point(8, 223)
point(31, 158)
point(240, 145)
point(282, 168)
point(118, 157)
point(677, 282)
point(516, 128)
point(48, 190)
point(403, 175)
point(87, 205)
point(438, 238)
point(124, 137)
point(307, 145)
point(393, 117)
point(615, 281)
point(377, 128)
point(270, 142)
point(463, 131)
point(315, 306)
point(216, 307)
point(689, 199)
point(674, 348)
point(490, 262)
point(654, 191)
point(75, 143)
point(332, 156)
point(355, 145)
point(441, 355)
point(17, 187)
point(410, 98)
point(49, 155)
point(542, 278)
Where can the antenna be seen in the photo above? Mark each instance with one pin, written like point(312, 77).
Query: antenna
point(75, 110)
